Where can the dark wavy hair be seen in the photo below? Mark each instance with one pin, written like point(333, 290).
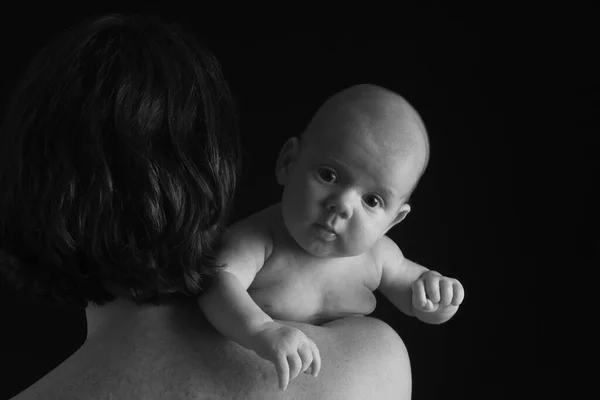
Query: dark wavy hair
point(119, 157)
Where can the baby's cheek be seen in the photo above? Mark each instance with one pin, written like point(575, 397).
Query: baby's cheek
point(300, 201)
point(314, 194)
point(356, 243)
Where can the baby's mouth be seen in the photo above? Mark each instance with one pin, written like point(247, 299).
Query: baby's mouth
point(326, 233)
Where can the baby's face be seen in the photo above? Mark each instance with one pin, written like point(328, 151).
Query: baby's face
point(345, 190)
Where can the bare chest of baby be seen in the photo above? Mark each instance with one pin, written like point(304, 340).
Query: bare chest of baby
point(303, 288)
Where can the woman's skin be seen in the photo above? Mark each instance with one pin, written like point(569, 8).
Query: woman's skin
point(172, 352)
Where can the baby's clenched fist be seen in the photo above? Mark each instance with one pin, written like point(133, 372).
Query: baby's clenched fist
point(433, 292)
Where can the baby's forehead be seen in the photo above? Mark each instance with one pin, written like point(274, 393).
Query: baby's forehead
point(390, 136)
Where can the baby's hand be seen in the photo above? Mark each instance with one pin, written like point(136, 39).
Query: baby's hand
point(433, 291)
point(289, 349)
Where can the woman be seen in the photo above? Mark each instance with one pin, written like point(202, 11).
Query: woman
point(118, 164)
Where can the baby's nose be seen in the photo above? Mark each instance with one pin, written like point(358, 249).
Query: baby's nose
point(341, 205)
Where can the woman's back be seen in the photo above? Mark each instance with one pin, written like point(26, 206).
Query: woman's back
point(171, 352)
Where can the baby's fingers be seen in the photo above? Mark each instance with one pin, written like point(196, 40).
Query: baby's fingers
point(431, 307)
point(295, 363)
point(316, 364)
point(419, 298)
point(459, 293)
point(283, 371)
point(446, 292)
point(306, 356)
point(315, 360)
point(432, 287)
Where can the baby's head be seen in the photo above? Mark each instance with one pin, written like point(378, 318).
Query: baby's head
point(348, 179)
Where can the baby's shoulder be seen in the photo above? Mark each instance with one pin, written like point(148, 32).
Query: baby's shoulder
point(252, 229)
point(385, 249)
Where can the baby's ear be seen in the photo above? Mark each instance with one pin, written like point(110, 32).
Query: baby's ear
point(287, 158)
point(404, 210)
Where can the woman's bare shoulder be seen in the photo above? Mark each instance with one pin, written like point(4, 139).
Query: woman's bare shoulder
point(367, 356)
point(361, 358)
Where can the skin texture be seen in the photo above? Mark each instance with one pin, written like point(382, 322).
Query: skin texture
point(172, 352)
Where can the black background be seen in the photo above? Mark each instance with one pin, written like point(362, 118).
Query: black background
point(507, 98)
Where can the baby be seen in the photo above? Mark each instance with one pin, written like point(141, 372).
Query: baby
point(320, 253)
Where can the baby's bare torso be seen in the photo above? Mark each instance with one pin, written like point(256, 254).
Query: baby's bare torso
point(294, 285)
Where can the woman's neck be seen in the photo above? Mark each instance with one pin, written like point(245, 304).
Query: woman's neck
point(124, 315)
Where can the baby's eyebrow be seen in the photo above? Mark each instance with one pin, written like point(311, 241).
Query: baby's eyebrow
point(387, 192)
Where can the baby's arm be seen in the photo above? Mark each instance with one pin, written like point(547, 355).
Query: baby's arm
point(231, 310)
point(414, 289)
point(226, 303)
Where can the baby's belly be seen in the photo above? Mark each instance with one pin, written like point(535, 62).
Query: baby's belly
point(313, 302)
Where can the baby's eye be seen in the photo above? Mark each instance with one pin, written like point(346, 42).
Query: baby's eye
point(327, 175)
point(373, 201)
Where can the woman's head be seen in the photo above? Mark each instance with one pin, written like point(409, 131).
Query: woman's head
point(118, 162)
